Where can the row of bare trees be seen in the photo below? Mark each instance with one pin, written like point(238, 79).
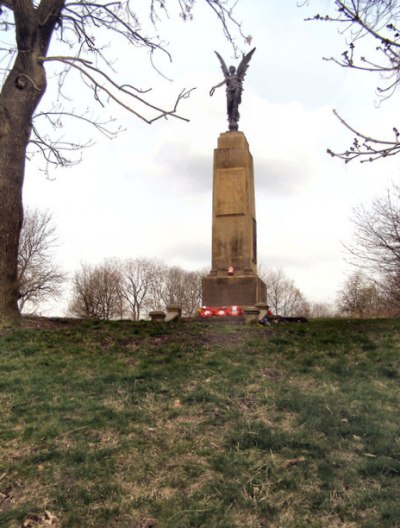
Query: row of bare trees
point(129, 288)
point(117, 289)
point(113, 289)
point(133, 287)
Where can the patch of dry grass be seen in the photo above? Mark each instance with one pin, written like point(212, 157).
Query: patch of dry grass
point(141, 425)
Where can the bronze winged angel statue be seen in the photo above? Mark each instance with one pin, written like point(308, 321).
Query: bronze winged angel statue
point(234, 87)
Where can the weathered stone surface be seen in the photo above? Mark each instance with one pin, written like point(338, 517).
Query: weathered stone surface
point(251, 314)
point(227, 291)
point(157, 315)
point(263, 309)
point(173, 313)
point(234, 225)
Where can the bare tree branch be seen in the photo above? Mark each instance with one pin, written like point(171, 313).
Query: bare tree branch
point(97, 88)
point(369, 148)
point(53, 117)
point(58, 151)
point(373, 20)
point(53, 151)
point(7, 3)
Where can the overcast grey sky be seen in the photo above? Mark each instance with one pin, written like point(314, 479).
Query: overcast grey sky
point(148, 192)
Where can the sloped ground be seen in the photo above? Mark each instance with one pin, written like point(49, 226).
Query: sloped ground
point(190, 425)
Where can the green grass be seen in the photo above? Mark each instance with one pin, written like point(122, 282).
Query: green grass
point(192, 425)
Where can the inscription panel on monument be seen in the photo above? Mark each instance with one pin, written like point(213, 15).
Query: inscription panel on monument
point(230, 192)
point(231, 158)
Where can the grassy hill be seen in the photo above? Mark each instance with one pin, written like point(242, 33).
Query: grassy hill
point(146, 425)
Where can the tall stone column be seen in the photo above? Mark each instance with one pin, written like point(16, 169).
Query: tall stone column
point(233, 277)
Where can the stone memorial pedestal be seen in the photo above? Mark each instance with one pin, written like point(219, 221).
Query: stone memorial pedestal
point(233, 277)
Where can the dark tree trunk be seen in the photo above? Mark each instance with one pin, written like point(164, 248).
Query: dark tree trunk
point(12, 164)
point(19, 97)
point(18, 101)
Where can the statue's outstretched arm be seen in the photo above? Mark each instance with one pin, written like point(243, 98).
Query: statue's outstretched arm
point(217, 86)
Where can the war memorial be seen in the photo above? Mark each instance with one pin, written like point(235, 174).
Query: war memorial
point(233, 278)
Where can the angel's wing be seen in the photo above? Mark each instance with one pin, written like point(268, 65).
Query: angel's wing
point(244, 64)
point(223, 65)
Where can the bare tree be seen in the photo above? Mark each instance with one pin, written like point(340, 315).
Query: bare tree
point(97, 292)
point(366, 22)
point(39, 278)
point(182, 288)
point(191, 291)
point(194, 291)
point(283, 296)
point(164, 286)
point(390, 292)
point(80, 29)
point(320, 310)
point(376, 243)
point(361, 297)
point(141, 278)
point(130, 288)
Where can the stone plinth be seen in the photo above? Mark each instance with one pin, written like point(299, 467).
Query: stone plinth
point(233, 277)
point(157, 315)
point(174, 313)
point(227, 291)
